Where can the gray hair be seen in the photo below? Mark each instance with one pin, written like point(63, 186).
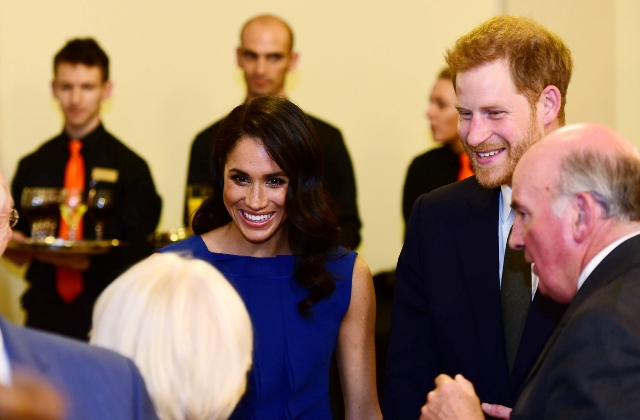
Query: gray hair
point(187, 330)
point(612, 180)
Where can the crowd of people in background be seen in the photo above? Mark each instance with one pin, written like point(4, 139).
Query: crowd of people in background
point(516, 291)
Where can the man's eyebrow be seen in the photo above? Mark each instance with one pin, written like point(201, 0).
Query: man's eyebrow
point(515, 205)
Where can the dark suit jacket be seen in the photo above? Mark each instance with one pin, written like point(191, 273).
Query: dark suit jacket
point(433, 169)
point(447, 315)
point(339, 178)
point(590, 369)
point(99, 384)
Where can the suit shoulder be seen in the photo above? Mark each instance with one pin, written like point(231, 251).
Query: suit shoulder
point(433, 156)
point(325, 129)
point(123, 150)
point(209, 133)
point(619, 299)
point(70, 363)
point(43, 150)
point(66, 351)
point(453, 195)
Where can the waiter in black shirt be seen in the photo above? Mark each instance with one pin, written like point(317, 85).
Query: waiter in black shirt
point(63, 288)
point(266, 56)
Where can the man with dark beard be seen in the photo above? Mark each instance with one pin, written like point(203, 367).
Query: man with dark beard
point(463, 304)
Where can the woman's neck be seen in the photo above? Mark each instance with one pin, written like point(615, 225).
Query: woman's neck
point(228, 239)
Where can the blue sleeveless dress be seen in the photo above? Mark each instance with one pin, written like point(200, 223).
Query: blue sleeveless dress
point(290, 374)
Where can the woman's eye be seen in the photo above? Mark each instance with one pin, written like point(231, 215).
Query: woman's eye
point(276, 182)
point(239, 179)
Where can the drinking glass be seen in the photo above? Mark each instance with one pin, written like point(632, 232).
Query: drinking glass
point(72, 208)
point(100, 202)
point(40, 206)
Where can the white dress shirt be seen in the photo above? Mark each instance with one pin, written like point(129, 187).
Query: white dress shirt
point(506, 217)
point(5, 369)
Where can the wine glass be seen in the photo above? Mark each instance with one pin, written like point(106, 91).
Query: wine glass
point(100, 202)
point(72, 208)
point(40, 205)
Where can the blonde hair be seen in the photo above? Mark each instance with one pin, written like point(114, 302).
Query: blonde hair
point(187, 330)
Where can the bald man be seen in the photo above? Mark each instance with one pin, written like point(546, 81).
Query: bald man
point(266, 56)
point(577, 200)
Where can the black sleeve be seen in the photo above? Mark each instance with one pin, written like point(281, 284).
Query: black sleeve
point(138, 209)
point(199, 171)
point(340, 182)
point(411, 190)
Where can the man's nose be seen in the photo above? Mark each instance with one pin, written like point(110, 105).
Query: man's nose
point(261, 65)
point(516, 238)
point(478, 131)
point(75, 95)
point(430, 112)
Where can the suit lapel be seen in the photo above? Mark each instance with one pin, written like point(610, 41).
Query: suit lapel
point(477, 249)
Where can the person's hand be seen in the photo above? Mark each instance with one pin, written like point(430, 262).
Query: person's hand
point(31, 398)
point(497, 411)
point(17, 236)
point(18, 258)
point(452, 399)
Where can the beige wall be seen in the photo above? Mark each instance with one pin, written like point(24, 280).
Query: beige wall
point(588, 28)
point(626, 84)
point(365, 66)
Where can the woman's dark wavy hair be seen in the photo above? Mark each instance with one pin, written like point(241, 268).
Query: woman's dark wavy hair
point(292, 143)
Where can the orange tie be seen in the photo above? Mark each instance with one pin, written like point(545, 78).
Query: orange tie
point(465, 167)
point(68, 281)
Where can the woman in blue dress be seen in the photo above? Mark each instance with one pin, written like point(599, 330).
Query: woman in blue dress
point(270, 228)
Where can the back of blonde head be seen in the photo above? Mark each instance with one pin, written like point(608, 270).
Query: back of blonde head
point(187, 330)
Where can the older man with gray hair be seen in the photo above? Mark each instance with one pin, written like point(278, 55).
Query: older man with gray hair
point(577, 200)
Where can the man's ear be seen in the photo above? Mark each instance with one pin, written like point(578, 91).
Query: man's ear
point(587, 212)
point(294, 60)
point(239, 56)
point(551, 100)
point(108, 89)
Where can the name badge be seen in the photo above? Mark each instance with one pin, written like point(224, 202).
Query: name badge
point(99, 174)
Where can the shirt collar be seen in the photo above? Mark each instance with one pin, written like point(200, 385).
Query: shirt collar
point(88, 140)
point(505, 202)
point(5, 369)
point(595, 261)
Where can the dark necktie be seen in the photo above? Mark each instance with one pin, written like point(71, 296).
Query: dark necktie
point(69, 282)
point(515, 294)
